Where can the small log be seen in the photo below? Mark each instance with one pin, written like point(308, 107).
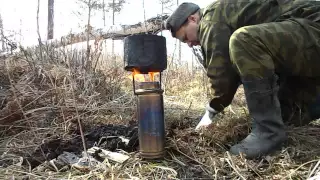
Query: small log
point(150, 26)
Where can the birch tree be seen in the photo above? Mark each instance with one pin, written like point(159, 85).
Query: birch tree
point(50, 19)
point(90, 5)
point(2, 35)
point(116, 7)
point(105, 6)
point(38, 31)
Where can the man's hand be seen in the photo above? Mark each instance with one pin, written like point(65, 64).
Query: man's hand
point(207, 117)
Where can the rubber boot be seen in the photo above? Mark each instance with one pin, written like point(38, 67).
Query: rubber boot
point(268, 131)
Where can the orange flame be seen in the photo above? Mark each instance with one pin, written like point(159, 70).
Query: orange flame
point(138, 76)
point(141, 77)
point(151, 75)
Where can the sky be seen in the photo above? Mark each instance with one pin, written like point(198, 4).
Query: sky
point(19, 17)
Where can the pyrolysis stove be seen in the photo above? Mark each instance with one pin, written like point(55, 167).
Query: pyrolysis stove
point(145, 56)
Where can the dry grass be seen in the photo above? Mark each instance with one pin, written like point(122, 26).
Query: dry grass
point(45, 99)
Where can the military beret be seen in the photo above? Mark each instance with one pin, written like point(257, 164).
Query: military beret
point(179, 16)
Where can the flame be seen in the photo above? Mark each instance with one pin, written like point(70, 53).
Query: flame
point(141, 77)
point(151, 75)
point(138, 76)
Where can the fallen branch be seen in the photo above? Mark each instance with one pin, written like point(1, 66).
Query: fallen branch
point(150, 26)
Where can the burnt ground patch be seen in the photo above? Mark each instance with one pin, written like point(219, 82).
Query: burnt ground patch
point(108, 136)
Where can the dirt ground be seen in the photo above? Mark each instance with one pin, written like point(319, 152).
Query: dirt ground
point(42, 106)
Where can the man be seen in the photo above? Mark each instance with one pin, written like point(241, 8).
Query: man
point(272, 47)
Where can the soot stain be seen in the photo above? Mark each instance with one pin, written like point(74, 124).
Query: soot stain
point(108, 136)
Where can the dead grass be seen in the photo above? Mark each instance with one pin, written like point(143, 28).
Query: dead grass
point(45, 100)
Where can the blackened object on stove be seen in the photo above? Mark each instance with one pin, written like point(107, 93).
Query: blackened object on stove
point(145, 52)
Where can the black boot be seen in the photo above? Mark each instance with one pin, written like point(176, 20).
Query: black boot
point(268, 131)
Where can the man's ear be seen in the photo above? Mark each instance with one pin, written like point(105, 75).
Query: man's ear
point(192, 18)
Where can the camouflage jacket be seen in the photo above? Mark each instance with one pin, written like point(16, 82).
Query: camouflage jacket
point(220, 19)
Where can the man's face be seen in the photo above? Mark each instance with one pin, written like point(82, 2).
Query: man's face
point(188, 33)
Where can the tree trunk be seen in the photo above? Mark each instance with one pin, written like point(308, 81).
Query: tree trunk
point(38, 31)
point(88, 33)
point(50, 19)
point(144, 12)
point(154, 25)
point(20, 32)
point(104, 13)
point(113, 11)
point(2, 35)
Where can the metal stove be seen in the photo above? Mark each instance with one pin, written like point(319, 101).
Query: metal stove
point(146, 54)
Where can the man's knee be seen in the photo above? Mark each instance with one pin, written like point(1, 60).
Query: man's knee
point(248, 53)
point(243, 38)
point(242, 35)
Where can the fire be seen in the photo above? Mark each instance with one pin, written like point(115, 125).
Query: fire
point(137, 75)
point(141, 77)
point(151, 75)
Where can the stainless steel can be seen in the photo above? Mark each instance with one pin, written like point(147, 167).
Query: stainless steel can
point(150, 114)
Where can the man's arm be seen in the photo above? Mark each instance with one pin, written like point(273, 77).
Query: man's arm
point(214, 38)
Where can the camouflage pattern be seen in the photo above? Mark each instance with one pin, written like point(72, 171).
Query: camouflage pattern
point(252, 39)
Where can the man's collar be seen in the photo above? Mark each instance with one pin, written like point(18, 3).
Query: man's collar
point(201, 12)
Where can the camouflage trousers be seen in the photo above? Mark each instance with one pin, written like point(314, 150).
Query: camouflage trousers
point(290, 49)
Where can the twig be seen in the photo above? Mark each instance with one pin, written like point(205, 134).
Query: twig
point(176, 159)
point(314, 169)
point(231, 163)
point(26, 173)
point(295, 170)
point(178, 150)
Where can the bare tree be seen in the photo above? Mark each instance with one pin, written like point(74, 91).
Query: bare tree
point(88, 30)
point(90, 5)
point(20, 31)
point(50, 19)
point(166, 5)
point(104, 13)
point(144, 13)
point(38, 30)
point(2, 35)
point(116, 6)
